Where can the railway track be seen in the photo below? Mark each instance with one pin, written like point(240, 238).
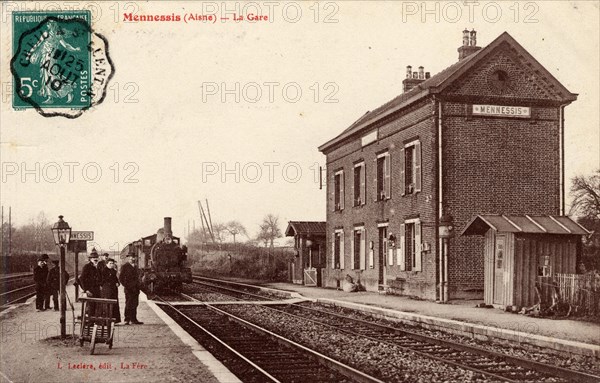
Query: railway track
point(15, 296)
point(211, 286)
point(255, 354)
point(15, 288)
point(494, 365)
point(488, 363)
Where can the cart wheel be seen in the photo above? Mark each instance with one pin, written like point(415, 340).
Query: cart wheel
point(93, 341)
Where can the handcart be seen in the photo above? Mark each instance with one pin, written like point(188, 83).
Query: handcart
point(97, 323)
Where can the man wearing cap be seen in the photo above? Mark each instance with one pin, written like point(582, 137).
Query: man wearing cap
point(130, 281)
point(40, 274)
point(90, 279)
point(53, 283)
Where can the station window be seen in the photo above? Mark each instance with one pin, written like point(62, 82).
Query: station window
point(409, 257)
point(411, 168)
point(544, 268)
point(337, 256)
point(338, 190)
point(359, 186)
point(358, 251)
point(383, 184)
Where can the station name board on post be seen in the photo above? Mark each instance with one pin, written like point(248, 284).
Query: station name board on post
point(82, 236)
point(501, 110)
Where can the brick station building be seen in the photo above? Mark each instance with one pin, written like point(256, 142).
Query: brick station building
point(484, 136)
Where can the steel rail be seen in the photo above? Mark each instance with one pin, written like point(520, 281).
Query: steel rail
point(9, 277)
point(539, 367)
point(324, 359)
point(15, 290)
point(405, 348)
point(210, 284)
point(26, 296)
point(214, 337)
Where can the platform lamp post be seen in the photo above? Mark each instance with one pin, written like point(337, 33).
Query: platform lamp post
point(445, 232)
point(62, 235)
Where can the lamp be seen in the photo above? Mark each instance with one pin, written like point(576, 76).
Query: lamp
point(61, 232)
point(446, 228)
point(62, 235)
point(392, 240)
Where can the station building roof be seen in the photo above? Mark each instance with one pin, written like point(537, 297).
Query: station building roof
point(305, 227)
point(530, 224)
point(441, 81)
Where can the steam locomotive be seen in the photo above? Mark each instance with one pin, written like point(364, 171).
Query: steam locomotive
point(161, 260)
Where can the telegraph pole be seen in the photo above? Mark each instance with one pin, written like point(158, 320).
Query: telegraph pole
point(9, 231)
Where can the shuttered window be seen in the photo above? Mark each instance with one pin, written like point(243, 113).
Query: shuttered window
point(338, 191)
point(359, 190)
point(337, 254)
point(410, 168)
point(410, 258)
point(358, 249)
point(383, 185)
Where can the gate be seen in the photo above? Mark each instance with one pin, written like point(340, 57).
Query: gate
point(310, 276)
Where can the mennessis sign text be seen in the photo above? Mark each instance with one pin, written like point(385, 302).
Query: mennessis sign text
point(502, 111)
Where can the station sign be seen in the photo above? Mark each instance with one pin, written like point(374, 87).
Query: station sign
point(82, 236)
point(502, 111)
point(77, 246)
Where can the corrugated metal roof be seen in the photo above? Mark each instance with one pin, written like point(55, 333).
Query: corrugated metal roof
point(531, 224)
point(305, 227)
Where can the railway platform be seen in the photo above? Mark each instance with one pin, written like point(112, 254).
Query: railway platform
point(157, 351)
point(463, 318)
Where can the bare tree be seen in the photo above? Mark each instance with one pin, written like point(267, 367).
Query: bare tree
point(586, 207)
point(234, 228)
point(269, 230)
point(219, 231)
point(586, 196)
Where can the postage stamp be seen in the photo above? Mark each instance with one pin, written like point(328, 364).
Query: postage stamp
point(60, 66)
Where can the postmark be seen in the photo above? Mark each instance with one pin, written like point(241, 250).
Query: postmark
point(60, 66)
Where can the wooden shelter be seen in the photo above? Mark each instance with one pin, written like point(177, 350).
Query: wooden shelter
point(309, 243)
point(519, 248)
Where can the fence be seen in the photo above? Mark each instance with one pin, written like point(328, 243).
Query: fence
point(581, 291)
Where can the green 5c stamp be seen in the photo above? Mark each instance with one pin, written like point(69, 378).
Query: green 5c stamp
point(60, 66)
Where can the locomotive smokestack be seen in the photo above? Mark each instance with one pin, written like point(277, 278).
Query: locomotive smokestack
point(167, 227)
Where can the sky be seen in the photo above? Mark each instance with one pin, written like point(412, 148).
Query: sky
point(233, 112)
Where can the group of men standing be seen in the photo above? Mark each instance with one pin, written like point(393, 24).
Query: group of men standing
point(99, 280)
point(47, 283)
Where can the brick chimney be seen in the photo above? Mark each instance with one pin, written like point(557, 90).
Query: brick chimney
point(469, 45)
point(413, 78)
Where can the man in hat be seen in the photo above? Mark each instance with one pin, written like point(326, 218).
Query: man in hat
point(53, 283)
point(40, 274)
point(130, 281)
point(102, 262)
point(91, 279)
